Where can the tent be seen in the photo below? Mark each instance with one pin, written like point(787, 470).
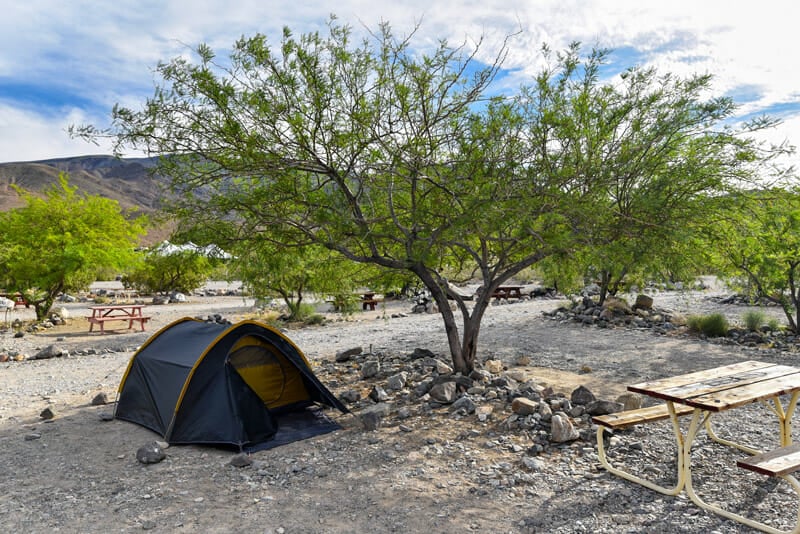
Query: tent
point(244, 385)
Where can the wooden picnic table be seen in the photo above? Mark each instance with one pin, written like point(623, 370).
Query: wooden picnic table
point(705, 393)
point(508, 292)
point(368, 300)
point(118, 312)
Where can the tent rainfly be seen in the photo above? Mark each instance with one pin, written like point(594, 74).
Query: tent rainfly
point(244, 385)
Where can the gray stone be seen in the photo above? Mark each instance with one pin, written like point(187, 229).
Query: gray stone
point(47, 414)
point(350, 395)
point(378, 394)
point(464, 404)
point(100, 399)
point(603, 407)
point(397, 382)
point(241, 460)
point(150, 454)
point(370, 369)
point(51, 351)
point(444, 393)
point(371, 420)
point(582, 395)
point(345, 355)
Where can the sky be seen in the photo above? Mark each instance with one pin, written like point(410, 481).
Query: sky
point(69, 62)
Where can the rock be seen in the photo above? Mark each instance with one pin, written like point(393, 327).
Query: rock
point(582, 395)
point(443, 369)
point(241, 460)
point(494, 366)
point(47, 414)
point(51, 351)
point(524, 406)
point(100, 399)
point(444, 393)
point(378, 394)
point(463, 404)
point(602, 407)
point(643, 302)
point(370, 369)
point(397, 382)
point(630, 401)
point(345, 355)
point(350, 396)
point(483, 412)
point(150, 454)
point(418, 354)
point(561, 429)
point(371, 420)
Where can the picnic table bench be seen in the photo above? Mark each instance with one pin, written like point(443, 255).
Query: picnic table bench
point(127, 312)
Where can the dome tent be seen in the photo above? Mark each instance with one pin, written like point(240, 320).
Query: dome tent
point(244, 385)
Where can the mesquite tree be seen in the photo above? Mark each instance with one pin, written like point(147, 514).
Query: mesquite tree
point(384, 155)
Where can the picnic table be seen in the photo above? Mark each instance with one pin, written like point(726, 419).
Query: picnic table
point(508, 292)
point(368, 300)
point(702, 394)
point(118, 312)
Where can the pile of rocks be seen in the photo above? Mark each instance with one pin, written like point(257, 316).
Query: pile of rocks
point(389, 390)
point(616, 312)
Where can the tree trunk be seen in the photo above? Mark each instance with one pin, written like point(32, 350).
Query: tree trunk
point(464, 348)
point(604, 281)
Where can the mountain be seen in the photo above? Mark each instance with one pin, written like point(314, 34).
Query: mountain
point(129, 181)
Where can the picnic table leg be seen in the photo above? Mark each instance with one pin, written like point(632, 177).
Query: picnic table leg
point(695, 498)
point(681, 472)
point(785, 417)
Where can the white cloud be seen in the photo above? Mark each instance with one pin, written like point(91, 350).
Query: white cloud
point(105, 52)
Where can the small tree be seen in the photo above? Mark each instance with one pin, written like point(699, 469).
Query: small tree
point(292, 273)
point(760, 240)
point(57, 243)
point(160, 272)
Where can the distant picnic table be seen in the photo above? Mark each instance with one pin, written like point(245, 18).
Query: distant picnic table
point(119, 312)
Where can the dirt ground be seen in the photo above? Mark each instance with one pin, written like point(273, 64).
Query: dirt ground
point(430, 472)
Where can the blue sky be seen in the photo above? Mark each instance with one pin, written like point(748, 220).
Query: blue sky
point(69, 62)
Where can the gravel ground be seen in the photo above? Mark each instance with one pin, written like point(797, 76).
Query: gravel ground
point(431, 472)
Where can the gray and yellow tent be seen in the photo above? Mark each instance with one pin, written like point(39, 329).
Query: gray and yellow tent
point(244, 385)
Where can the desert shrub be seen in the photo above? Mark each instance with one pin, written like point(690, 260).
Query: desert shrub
point(712, 325)
point(695, 323)
point(753, 320)
point(774, 324)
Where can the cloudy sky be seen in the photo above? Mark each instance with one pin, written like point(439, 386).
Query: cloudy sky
point(69, 62)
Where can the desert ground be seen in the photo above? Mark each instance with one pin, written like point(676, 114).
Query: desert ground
point(430, 471)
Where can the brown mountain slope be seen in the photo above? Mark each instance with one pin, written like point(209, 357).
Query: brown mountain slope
point(128, 181)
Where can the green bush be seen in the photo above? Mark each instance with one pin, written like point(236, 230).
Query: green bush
point(753, 320)
point(774, 324)
point(712, 325)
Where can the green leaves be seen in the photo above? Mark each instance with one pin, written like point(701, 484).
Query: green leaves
point(57, 243)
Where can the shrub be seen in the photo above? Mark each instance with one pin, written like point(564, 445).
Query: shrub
point(774, 324)
point(753, 320)
point(712, 325)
